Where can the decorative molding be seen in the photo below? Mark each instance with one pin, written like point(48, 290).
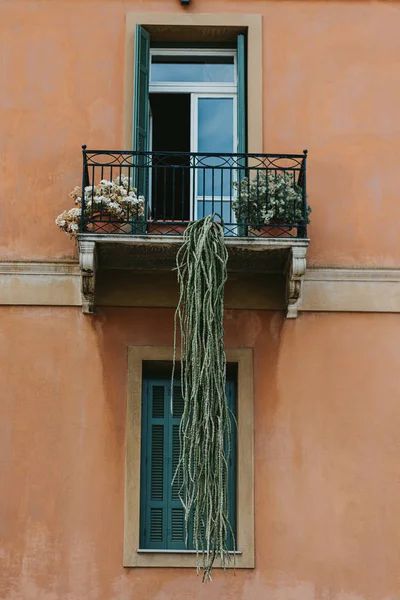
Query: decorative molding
point(337, 289)
point(34, 283)
point(295, 269)
point(202, 27)
point(351, 290)
point(355, 274)
point(132, 557)
point(40, 268)
point(88, 265)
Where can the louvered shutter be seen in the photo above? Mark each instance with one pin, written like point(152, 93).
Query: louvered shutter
point(176, 511)
point(141, 109)
point(162, 522)
point(241, 93)
point(141, 90)
point(154, 484)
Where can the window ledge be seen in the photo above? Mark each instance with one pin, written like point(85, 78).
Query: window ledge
point(153, 551)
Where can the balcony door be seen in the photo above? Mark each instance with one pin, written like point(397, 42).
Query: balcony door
point(189, 110)
point(214, 131)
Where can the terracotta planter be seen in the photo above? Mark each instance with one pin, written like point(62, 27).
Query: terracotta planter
point(105, 223)
point(165, 228)
point(273, 230)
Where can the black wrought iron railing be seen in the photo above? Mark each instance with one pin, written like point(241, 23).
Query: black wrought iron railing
point(159, 193)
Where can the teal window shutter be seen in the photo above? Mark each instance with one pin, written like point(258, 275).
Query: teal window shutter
point(154, 477)
point(241, 93)
point(176, 529)
point(162, 521)
point(141, 90)
point(140, 175)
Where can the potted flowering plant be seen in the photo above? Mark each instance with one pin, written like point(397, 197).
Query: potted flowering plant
point(107, 205)
point(270, 198)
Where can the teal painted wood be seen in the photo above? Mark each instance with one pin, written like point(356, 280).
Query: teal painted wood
point(141, 90)
point(141, 108)
point(176, 513)
point(241, 93)
point(144, 466)
point(162, 524)
point(154, 482)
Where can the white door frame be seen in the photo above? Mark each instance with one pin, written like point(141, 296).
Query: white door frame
point(194, 137)
point(197, 90)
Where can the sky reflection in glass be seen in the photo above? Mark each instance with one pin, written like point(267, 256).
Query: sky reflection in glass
point(215, 134)
point(192, 72)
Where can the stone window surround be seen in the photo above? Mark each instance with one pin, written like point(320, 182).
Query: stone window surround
point(194, 28)
point(245, 462)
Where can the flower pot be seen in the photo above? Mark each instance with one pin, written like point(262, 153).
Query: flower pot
point(105, 223)
point(166, 228)
point(274, 229)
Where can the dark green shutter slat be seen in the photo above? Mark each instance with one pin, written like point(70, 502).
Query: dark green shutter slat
point(241, 93)
point(158, 402)
point(175, 460)
point(156, 525)
point(178, 525)
point(177, 402)
point(157, 462)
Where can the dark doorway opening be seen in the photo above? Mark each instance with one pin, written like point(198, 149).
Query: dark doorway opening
point(170, 182)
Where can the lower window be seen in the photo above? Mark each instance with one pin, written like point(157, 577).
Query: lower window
point(154, 532)
point(162, 517)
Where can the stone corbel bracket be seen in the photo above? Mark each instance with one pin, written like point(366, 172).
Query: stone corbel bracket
point(295, 271)
point(88, 265)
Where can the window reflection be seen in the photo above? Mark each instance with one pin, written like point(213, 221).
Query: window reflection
point(186, 69)
point(215, 134)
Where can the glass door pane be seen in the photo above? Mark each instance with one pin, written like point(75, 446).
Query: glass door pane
point(213, 174)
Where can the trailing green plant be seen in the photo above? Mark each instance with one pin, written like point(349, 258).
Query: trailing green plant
point(205, 428)
point(269, 197)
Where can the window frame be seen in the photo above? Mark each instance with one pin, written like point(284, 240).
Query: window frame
point(191, 28)
point(195, 197)
point(134, 556)
point(200, 87)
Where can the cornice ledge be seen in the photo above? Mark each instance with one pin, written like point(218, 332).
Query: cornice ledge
point(356, 274)
point(58, 268)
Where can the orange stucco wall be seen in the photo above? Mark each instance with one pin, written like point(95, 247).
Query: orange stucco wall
point(327, 400)
point(330, 85)
point(327, 446)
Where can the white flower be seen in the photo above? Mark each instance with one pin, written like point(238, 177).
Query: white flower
point(73, 213)
point(106, 183)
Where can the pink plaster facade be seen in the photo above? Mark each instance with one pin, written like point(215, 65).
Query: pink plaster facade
point(327, 400)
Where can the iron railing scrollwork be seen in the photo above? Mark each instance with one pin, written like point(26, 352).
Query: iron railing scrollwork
point(254, 194)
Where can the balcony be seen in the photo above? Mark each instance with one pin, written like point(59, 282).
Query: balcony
point(137, 205)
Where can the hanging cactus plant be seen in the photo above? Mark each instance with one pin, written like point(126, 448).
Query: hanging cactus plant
point(205, 428)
